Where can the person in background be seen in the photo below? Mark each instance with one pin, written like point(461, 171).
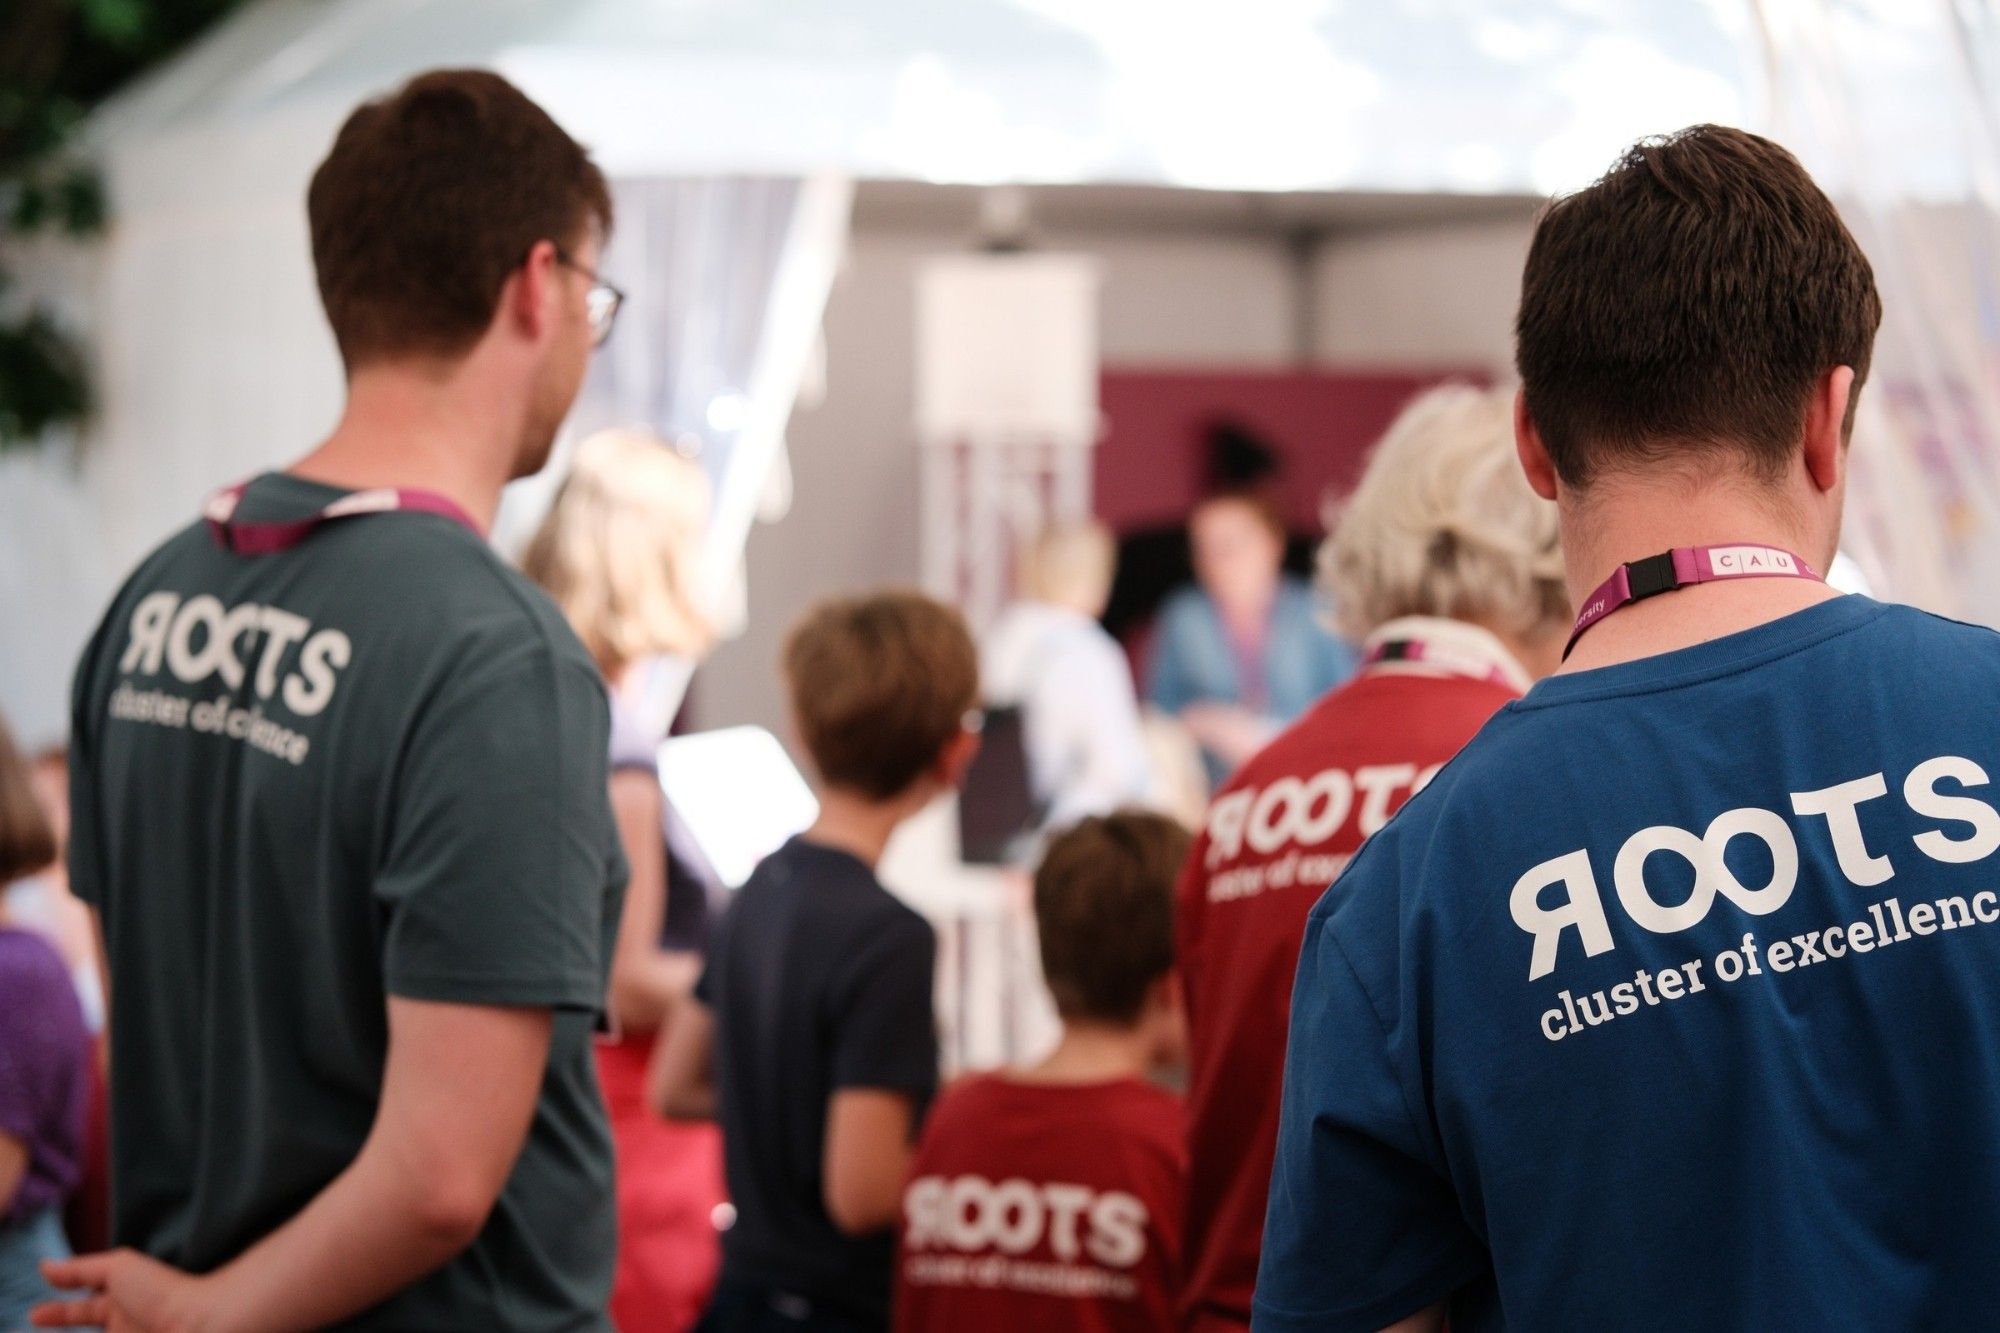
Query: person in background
point(812, 1037)
point(1050, 1198)
point(1048, 655)
point(1242, 653)
point(619, 553)
point(338, 796)
point(43, 902)
point(1446, 568)
point(45, 1054)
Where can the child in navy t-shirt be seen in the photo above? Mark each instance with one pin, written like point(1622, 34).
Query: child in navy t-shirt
point(812, 1038)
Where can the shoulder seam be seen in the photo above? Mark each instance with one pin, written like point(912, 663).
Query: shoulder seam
point(1402, 1089)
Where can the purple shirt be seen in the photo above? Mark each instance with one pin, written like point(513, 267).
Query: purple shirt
point(44, 1070)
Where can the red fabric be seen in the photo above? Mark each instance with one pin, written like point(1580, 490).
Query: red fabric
point(87, 1217)
point(1020, 1187)
point(1273, 842)
point(669, 1188)
point(1152, 464)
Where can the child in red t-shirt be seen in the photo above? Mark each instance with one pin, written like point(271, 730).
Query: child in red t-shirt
point(1050, 1198)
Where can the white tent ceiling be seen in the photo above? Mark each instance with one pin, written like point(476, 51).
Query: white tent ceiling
point(1426, 96)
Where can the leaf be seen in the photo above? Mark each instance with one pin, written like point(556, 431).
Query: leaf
point(80, 202)
point(43, 381)
point(31, 208)
point(118, 22)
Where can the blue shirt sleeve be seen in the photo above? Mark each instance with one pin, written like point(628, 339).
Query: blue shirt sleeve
point(1168, 684)
point(1364, 1227)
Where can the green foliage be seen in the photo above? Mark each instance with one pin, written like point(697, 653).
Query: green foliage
point(58, 59)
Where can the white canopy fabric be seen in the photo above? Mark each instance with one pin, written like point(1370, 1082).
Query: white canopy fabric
point(213, 360)
point(1445, 96)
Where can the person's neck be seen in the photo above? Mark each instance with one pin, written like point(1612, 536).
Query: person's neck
point(1077, 604)
point(408, 428)
point(1620, 521)
point(1250, 615)
point(1094, 1053)
point(854, 824)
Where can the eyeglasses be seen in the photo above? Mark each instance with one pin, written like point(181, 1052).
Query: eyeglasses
point(600, 303)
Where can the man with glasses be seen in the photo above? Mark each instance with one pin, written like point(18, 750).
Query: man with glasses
point(601, 302)
point(339, 783)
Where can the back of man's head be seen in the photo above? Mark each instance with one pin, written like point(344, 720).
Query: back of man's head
point(429, 199)
point(879, 686)
point(1104, 911)
point(1680, 311)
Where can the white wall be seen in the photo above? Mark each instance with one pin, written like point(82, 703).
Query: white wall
point(50, 538)
point(1167, 300)
point(1420, 296)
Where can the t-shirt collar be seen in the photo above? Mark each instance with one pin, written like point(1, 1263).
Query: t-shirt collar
point(1481, 649)
point(1713, 657)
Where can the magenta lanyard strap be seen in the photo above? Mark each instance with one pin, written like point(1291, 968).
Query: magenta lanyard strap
point(1683, 567)
point(246, 538)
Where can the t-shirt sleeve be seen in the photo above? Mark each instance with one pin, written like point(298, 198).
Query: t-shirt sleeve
point(503, 866)
point(885, 1029)
point(1363, 1226)
point(633, 746)
point(42, 1038)
point(1086, 696)
point(85, 855)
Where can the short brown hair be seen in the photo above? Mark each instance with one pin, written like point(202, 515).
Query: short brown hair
point(429, 199)
point(879, 685)
point(1686, 304)
point(27, 842)
point(1104, 910)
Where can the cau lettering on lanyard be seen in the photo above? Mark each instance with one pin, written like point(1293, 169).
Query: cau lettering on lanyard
point(1683, 567)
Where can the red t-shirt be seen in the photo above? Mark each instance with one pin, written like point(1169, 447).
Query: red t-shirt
point(1043, 1206)
point(1278, 833)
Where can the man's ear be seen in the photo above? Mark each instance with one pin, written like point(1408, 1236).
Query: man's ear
point(1166, 1009)
point(1541, 473)
point(528, 301)
point(956, 757)
point(1826, 427)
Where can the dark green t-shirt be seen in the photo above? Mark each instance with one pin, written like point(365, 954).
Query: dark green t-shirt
point(373, 764)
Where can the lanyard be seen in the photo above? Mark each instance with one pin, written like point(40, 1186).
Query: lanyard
point(1440, 657)
point(266, 538)
point(1683, 567)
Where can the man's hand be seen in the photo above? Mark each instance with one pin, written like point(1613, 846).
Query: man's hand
point(121, 1291)
point(458, 1097)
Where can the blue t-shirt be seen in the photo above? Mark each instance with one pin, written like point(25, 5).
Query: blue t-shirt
point(1673, 1002)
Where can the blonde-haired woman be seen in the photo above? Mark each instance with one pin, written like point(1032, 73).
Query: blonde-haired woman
point(618, 552)
point(1445, 567)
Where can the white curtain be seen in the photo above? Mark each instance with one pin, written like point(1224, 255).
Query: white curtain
point(1891, 103)
point(725, 280)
